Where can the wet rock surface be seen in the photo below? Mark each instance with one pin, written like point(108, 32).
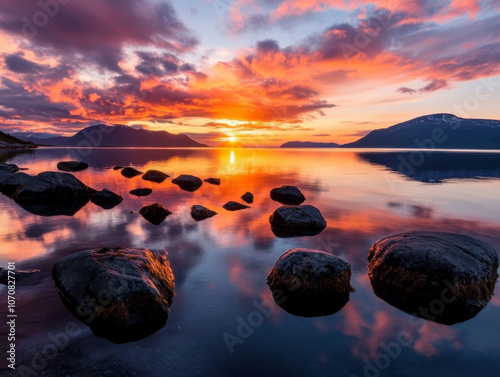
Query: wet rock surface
point(289, 195)
point(155, 176)
point(188, 182)
point(122, 294)
point(298, 221)
point(155, 213)
point(72, 166)
point(200, 213)
point(106, 199)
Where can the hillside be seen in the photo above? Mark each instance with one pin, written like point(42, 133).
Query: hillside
point(119, 136)
point(8, 141)
point(440, 131)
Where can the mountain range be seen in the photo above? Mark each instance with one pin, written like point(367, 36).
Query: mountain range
point(437, 131)
point(118, 136)
point(9, 141)
point(308, 144)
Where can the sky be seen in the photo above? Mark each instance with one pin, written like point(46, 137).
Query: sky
point(261, 71)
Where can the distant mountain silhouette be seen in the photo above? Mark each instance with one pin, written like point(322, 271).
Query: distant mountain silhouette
point(308, 144)
point(118, 136)
point(438, 131)
point(9, 141)
point(437, 166)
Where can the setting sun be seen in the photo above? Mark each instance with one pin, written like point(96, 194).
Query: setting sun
point(232, 139)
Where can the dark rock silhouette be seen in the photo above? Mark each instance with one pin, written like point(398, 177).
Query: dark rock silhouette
point(130, 172)
point(201, 213)
point(247, 197)
point(234, 206)
point(188, 182)
point(443, 277)
point(213, 181)
point(155, 213)
point(72, 166)
point(7, 169)
point(118, 167)
point(141, 192)
point(288, 221)
point(48, 193)
point(106, 199)
point(155, 176)
point(122, 294)
point(310, 283)
point(289, 195)
point(17, 274)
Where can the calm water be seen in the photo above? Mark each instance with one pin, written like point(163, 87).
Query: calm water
point(221, 264)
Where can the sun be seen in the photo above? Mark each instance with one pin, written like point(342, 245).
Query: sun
point(232, 139)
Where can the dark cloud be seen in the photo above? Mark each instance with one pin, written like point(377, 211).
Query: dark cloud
point(16, 63)
point(406, 90)
point(321, 135)
point(434, 85)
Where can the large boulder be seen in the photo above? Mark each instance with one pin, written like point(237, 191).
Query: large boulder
point(52, 193)
point(106, 199)
point(310, 283)
point(443, 277)
point(122, 294)
point(188, 182)
point(155, 176)
point(130, 172)
point(72, 166)
point(234, 206)
point(298, 221)
point(200, 213)
point(289, 195)
point(7, 170)
point(155, 213)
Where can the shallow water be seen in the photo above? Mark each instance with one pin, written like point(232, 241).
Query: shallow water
point(221, 264)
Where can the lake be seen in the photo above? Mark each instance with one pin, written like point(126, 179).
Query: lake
point(221, 264)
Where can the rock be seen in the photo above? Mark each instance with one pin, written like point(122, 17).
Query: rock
point(310, 283)
point(12, 182)
point(234, 206)
point(7, 170)
point(247, 197)
point(52, 194)
point(118, 167)
point(130, 172)
point(298, 221)
point(289, 195)
point(155, 176)
point(155, 213)
point(17, 274)
point(201, 213)
point(188, 182)
point(141, 192)
point(122, 294)
point(106, 199)
point(72, 166)
point(443, 277)
point(213, 181)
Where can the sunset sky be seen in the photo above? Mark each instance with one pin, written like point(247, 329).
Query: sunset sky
point(262, 71)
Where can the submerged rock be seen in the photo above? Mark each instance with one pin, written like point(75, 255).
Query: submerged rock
point(106, 199)
point(52, 193)
point(188, 182)
point(234, 206)
point(155, 213)
point(118, 167)
point(17, 274)
point(213, 181)
point(247, 197)
point(201, 213)
point(122, 294)
point(72, 166)
point(130, 172)
point(290, 195)
point(141, 192)
point(310, 283)
point(442, 277)
point(155, 176)
point(298, 221)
